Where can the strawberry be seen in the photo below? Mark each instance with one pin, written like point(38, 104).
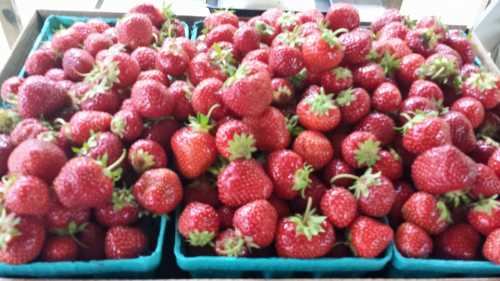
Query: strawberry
point(339, 206)
point(322, 52)
point(39, 97)
point(64, 40)
point(484, 215)
point(412, 241)
point(389, 51)
point(270, 130)
point(386, 98)
point(285, 60)
point(494, 159)
point(82, 30)
point(457, 40)
point(201, 190)
point(389, 164)
point(112, 33)
point(234, 191)
point(426, 89)
point(283, 91)
point(101, 145)
point(445, 49)
point(10, 87)
point(403, 192)
point(380, 125)
point(83, 123)
point(354, 104)
point(360, 149)
point(471, 108)
point(96, 42)
point(460, 241)
point(318, 111)
point(304, 236)
point(182, 93)
point(357, 44)
point(6, 147)
point(146, 154)
point(257, 222)
point(22, 238)
point(483, 87)
point(389, 15)
point(490, 247)
point(37, 158)
point(246, 39)
point(440, 68)
point(172, 60)
point(234, 140)
point(408, 68)
point(311, 15)
point(422, 41)
point(393, 30)
point(116, 69)
point(483, 149)
point(60, 248)
point(425, 131)
point(230, 243)
point(161, 131)
point(487, 182)
point(25, 195)
point(336, 80)
point(76, 63)
point(99, 98)
point(99, 25)
point(92, 240)
point(54, 74)
point(369, 76)
point(153, 13)
point(206, 95)
point(414, 104)
point(443, 169)
point(248, 92)
point(315, 191)
point(127, 124)
point(423, 210)
point(25, 129)
point(489, 127)
point(462, 132)
point(314, 148)
point(39, 62)
point(337, 167)
point(202, 67)
point(146, 57)
point(135, 30)
point(369, 237)
point(289, 173)
point(123, 242)
point(60, 217)
point(151, 99)
point(220, 33)
point(158, 190)
point(342, 15)
point(122, 210)
point(199, 224)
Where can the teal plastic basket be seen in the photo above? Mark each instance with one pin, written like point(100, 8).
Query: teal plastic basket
point(418, 268)
point(196, 29)
point(272, 267)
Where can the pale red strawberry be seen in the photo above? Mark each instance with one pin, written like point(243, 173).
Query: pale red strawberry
point(369, 237)
point(229, 243)
point(490, 247)
point(135, 30)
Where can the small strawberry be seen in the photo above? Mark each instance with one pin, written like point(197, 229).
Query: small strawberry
point(182, 93)
point(490, 247)
point(360, 149)
point(123, 242)
point(403, 192)
point(318, 111)
point(82, 30)
point(386, 98)
point(76, 63)
point(40, 61)
point(127, 124)
point(25, 195)
point(339, 206)
point(246, 39)
point(471, 108)
point(256, 222)
point(393, 30)
point(425, 131)
point(457, 40)
point(172, 60)
point(234, 140)
point(135, 30)
point(100, 98)
point(314, 147)
point(369, 76)
point(39, 97)
point(101, 145)
point(158, 190)
point(96, 42)
point(304, 236)
point(389, 15)
point(483, 87)
point(342, 15)
point(285, 60)
point(354, 104)
point(425, 211)
point(122, 210)
point(201, 190)
point(426, 89)
point(390, 51)
point(380, 125)
point(98, 24)
point(269, 129)
point(146, 154)
point(220, 33)
point(408, 68)
point(289, 173)
point(83, 123)
point(60, 248)
point(206, 95)
point(202, 66)
point(283, 91)
point(199, 224)
point(357, 44)
point(322, 52)
point(460, 241)
point(368, 237)
point(389, 164)
point(92, 242)
point(462, 132)
point(151, 99)
point(486, 184)
point(445, 49)
point(412, 241)
point(441, 68)
point(337, 167)
point(229, 243)
point(484, 216)
point(336, 80)
point(146, 57)
point(60, 217)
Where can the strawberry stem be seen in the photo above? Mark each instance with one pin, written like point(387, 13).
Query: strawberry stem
point(362, 185)
point(201, 238)
point(308, 224)
point(201, 123)
point(241, 146)
point(367, 152)
point(301, 179)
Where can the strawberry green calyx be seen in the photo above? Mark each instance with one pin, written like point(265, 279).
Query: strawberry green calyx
point(201, 123)
point(486, 205)
point(362, 185)
point(298, 78)
point(234, 246)
point(308, 224)
point(118, 126)
point(8, 120)
point(430, 38)
point(241, 146)
point(482, 81)
point(291, 38)
point(8, 227)
point(218, 167)
point(87, 146)
point(330, 36)
point(389, 63)
point(341, 73)
point(320, 103)
point(345, 97)
point(301, 179)
point(201, 238)
point(282, 91)
point(240, 73)
point(223, 59)
point(418, 117)
point(444, 212)
point(287, 19)
point(104, 74)
point(142, 160)
point(113, 171)
point(440, 70)
point(72, 229)
point(292, 124)
point(367, 153)
point(264, 28)
point(121, 198)
point(457, 198)
point(48, 136)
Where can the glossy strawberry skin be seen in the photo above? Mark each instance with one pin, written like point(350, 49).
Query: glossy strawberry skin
point(369, 237)
point(201, 68)
point(357, 45)
point(207, 94)
point(76, 63)
point(39, 62)
point(146, 57)
point(281, 167)
point(462, 132)
point(408, 66)
point(380, 125)
point(337, 167)
point(421, 209)
point(484, 221)
point(430, 133)
point(96, 42)
point(336, 80)
point(351, 144)
point(340, 207)
point(18, 251)
point(412, 241)
point(106, 101)
point(270, 130)
point(403, 192)
point(109, 215)
point(389, 164)
point(471, 108)
point(83, 123)
point(140, 153)
point(135, 30)
point(379, 200)
point(459, 241)
point(182, 92)
point(172, 60)
point(369, 76)
point(151, 99)
point(285, 61)
point(60, 248)
point(198, 217)
point(319, 55)
point(314, 148)
point(490, 247)
point(122, 242)
point(386, 98)
point(104, 144)
point(342, 15)
point(487, 183)
point(27, 195)
point(354, 110)
point(10, 87)
point(257, 220)
point(127, 124)
point(389, 15)
point(38, 96)
point(246, 39)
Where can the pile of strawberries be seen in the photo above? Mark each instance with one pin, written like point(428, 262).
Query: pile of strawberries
point(293, 134)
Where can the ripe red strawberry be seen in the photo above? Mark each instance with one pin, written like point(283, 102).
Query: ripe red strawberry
point(116, 68)
point(440, 68)
point(25, 195)
point(151, 99)
point(487, 182)
point(425, 131)
point(285, 60)
point(389, 15)
point(314, 191)
point(243, 181)
point(82, 30)
point(322, 52)
point(55, 74)
point(96, 42)
point(304, 236)
point(425, 211)
point(37, 158)
point(489, 127)
point(6, 147)
point(369, 76)
point(490, 247)
point(60, 217)
point(318, 111)
point(202, 67)
point(337, 167)
point(389, 164)
point(342, 15)
point(40, 61)
point(206, 95)
point(83, 123)
point(443, 169)
point(150, 10)
point(412, 241)
point(123, 242)
point(146, 57)
point(235, 140)
point(369, 237)
point(393, 30)
point(414, 104)
point(60, 248)
point(199, 224)
point(201, 190)
point(99, 98)
point(127, 124)
point(135, 30)
point(246, 38)
point(457, 40)
point(220, 33)
point(354, 104)
point(360, 149)
point(92, 240)
point(289, 173)
point(483, 150)
point(64, 40)
point(314, 147)
point(422, 41)
point(76, 63)
point(403, 192)
point(158, 190)
point(339, 206)
point(380, 125)
point(123, 210)
point(22, 238)
point(161, 131)
point(357, 44)
point(172, 60)
point(39, 97)
point(270, 130)
point(10, 87)
point(386, 98)
point(230, 243)
point(248, 92)
point(336, 80)
point(257, 222)
point(460, 241)
point(283, 91)
point(408, 68)
point(426, 89)
point(471, 108)
point(462, 132)
point(146, 154)
point(484, 215)
point(182, 93)
point(483, 87)
point(390, 50)
point(101, 146)
point(494, 160)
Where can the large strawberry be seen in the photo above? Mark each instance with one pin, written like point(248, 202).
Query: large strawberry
point(460, 241)
point(243, 181)
point(199, 224)
point(360, 149)
point(270, 130)
point(322, 52)
point(83, 123)
point(318, 111)
point(135, 30)
point(483, 87)
point(368, 237)
point(25, 195)
point(123, 242)
point(339, 206)
point(412, 241)
point(158, 190)
point(443, 169)
point(426, 212)
point(151, 99)
point(39, 97)
point(425, 131)
point(289, 173)
point(256, 222)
